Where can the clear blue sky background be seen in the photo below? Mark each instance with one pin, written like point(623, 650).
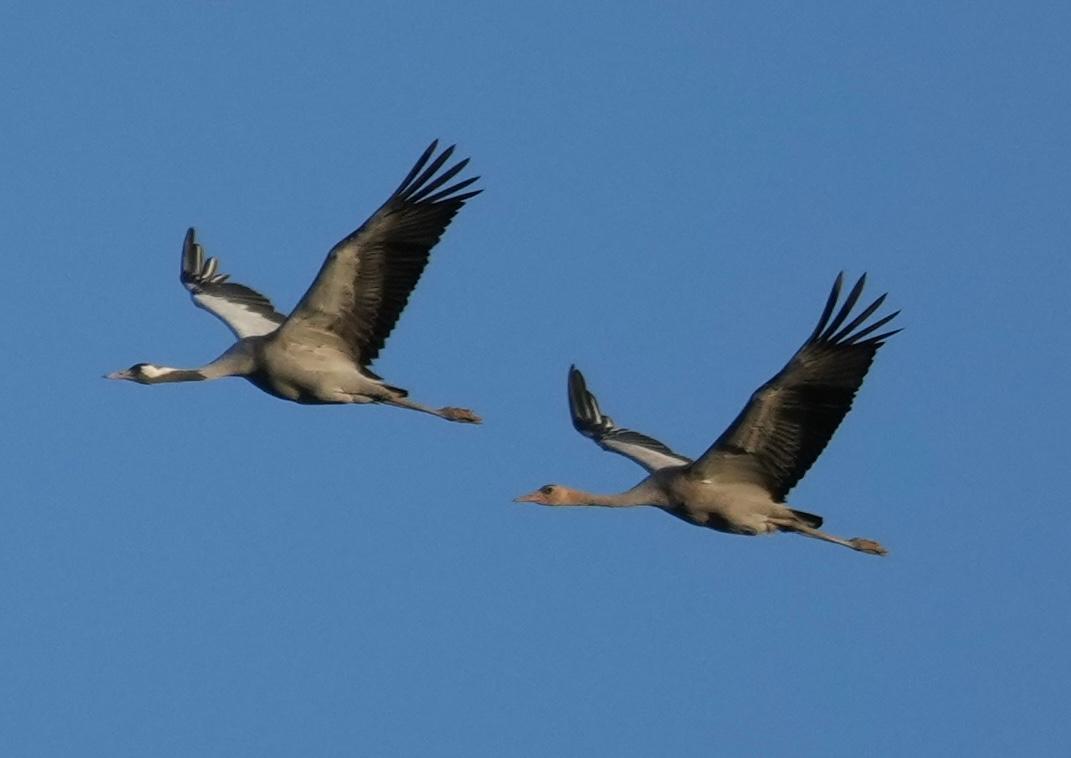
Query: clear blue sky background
point(670, 189)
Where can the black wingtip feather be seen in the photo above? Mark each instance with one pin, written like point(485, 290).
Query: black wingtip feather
point(421, 161)
point(845, 309)
point(421, 185)
point(835, 331)
point(834, 295)
point(449, 192)
point(879, 340)
point(855, 322)
point(192, 257)
point(460, 198)
point(439, 181)
point(855, 338)
point(428, 172)
point(583, 407)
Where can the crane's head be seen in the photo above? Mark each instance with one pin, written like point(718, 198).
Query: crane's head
point(142, 373)
point(548, 494)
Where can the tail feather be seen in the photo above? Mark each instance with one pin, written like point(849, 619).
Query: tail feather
point(809, 519)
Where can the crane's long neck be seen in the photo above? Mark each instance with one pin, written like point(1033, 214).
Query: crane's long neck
point(642, 494)
point(237, 361)
point(163, 374)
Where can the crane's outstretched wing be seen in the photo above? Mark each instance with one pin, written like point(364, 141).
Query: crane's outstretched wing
point(366, 280)
point(590, 421)
point(790, 419)
point(245, 311)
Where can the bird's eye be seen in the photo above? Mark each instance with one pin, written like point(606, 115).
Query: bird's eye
point(547, 489)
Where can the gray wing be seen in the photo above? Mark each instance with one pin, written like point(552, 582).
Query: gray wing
point(245, 311)
point(590, 421)
point(790, 419)
point(366, 280)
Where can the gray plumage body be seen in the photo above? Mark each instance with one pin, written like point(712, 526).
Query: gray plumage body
point(311, 374)
point(731, 507)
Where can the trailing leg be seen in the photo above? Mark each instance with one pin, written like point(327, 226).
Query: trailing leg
point(855, 543)
point(461, 415)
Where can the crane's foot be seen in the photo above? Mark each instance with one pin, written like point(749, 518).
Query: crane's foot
point(867, 546)
point(462, 415)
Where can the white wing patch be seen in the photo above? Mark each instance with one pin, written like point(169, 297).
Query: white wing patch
point(241, 318)
point(650, 458)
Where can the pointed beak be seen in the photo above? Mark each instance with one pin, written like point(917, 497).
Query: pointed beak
point(124, 374)
point(529, 498)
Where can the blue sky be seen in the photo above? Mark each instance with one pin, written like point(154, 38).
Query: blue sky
point(670, 190)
